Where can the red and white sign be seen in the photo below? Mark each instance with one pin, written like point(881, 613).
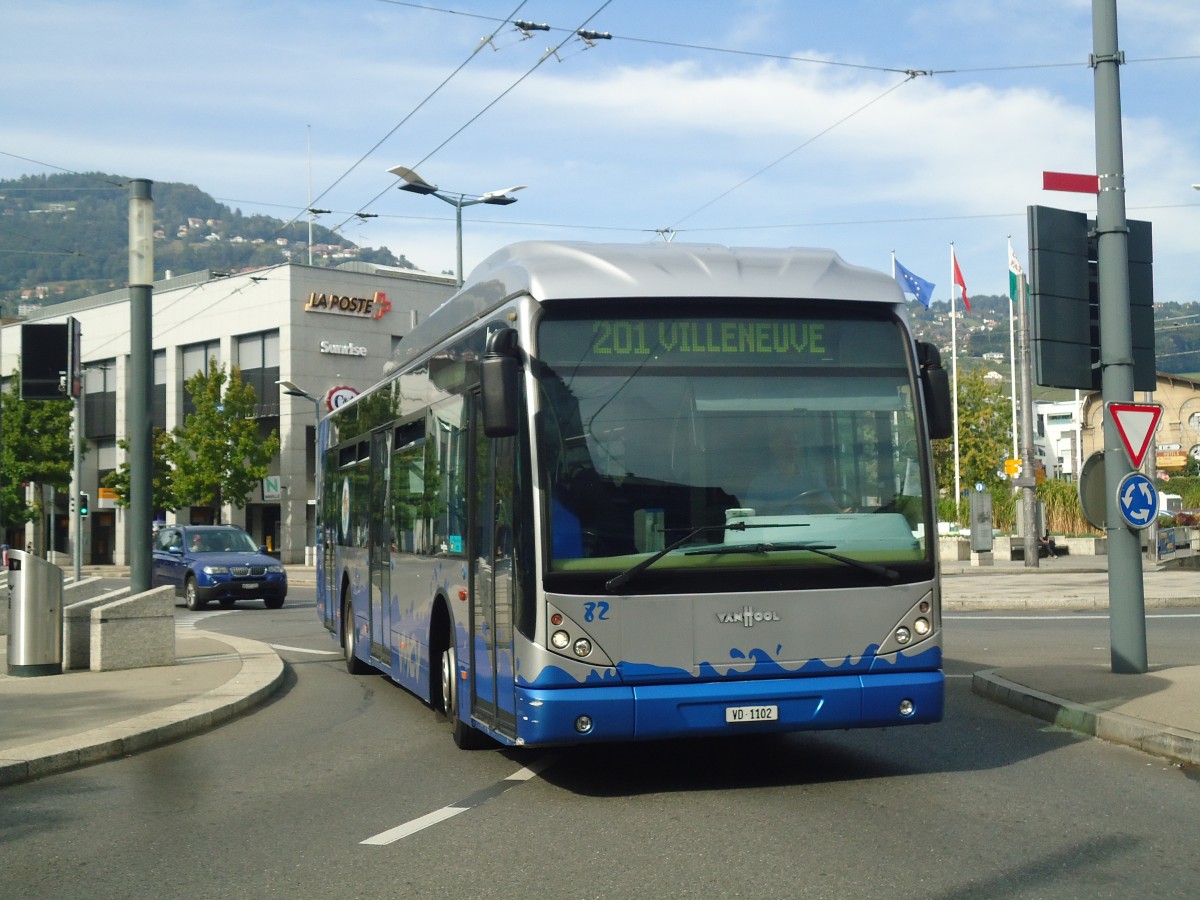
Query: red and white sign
point(339, 395)
point(1136, 424)
point(1069, 181)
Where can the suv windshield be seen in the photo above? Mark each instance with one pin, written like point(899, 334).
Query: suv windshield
point(756, 438)
point(230, 541)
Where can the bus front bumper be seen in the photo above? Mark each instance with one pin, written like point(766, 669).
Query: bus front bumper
point(653, 712)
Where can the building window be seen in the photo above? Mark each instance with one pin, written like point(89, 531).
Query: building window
point(258, 359)
point(196, 358)
point(158, 401)
point(100, 399)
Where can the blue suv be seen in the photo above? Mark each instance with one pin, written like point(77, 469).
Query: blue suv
point(216, 562)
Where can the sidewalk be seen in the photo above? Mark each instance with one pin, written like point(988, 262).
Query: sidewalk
point(1158, 712)
point(58, 722)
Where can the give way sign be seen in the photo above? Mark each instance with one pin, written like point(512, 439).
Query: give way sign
point(1136, 424)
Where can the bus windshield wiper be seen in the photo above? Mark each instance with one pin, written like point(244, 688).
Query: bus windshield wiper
point(822, 549)
point(617, 580)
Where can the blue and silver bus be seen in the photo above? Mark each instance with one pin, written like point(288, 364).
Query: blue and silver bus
point(624, 492)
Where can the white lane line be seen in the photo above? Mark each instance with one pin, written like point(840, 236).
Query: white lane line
point(470, 802)
point(1074, 618)
point(305, 650)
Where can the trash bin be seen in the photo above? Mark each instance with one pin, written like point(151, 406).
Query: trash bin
point(35, 615)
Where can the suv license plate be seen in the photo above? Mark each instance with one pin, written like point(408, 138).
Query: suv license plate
point(751, 714)
point(249, 585)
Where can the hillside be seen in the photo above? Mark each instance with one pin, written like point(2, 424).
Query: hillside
point(64, 236)
point(983, 333)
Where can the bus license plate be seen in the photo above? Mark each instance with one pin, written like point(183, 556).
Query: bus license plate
point(752, 714)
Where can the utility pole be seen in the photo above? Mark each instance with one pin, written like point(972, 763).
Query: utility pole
point(141, 382)
point(1028, 480)
point(1126, 597)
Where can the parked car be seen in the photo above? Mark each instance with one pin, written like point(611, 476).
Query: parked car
point(216, 562)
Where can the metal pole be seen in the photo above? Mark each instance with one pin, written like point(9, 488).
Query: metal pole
point(141, 383)
point(76, 486)
point(1126, 600)
point(458, 226)
point(1029, 477)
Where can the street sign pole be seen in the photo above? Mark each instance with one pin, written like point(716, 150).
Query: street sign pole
point(1126, 600)
point(1029, 486)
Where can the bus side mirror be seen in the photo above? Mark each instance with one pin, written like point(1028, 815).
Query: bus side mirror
point(935, 386)
point(499, 375)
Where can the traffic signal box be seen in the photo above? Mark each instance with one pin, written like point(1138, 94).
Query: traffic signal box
point(1064, 300)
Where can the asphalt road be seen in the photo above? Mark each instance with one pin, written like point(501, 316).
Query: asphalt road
point(285, 802)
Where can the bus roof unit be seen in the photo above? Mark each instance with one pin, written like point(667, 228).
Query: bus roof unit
point(577, 270)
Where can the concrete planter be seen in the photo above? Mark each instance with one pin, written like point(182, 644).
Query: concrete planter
point(953, 549)
point(1085, 546)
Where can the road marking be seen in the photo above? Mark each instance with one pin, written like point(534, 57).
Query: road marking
point(305, 650)
point(189, 618)
point(470, 802)
point(1073, 618)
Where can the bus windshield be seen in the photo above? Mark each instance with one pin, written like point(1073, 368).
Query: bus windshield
point(778, 439)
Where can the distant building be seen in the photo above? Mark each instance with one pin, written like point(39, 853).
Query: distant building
point(283, 322)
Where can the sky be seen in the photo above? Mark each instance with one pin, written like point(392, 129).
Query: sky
point(740, 122)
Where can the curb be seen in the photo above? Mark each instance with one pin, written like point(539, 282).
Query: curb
point(260, 676)
point(1175, 744)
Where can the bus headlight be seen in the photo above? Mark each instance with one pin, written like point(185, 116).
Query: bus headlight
point(903, 635)
point(560, 639)
point(921, 627)
point(583, 647)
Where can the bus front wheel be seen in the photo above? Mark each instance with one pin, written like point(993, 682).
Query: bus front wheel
point(465, 737)
point(354, 665)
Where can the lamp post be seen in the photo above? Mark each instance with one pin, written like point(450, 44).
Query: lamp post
point(418, 185)
point(292, 390)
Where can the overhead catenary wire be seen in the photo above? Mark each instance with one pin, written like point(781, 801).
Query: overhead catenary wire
point(541, 59)
point(794, 150)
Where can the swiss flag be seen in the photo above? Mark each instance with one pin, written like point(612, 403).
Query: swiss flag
point(958, 279)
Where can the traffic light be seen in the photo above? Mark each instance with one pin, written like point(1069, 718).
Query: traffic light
point(83, 505)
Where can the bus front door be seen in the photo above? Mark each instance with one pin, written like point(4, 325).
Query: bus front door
point(380, 540)
point(493, 687)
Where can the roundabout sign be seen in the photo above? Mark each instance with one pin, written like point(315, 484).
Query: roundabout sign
point(1137, 499)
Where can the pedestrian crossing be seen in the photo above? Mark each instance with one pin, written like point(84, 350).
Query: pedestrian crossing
point(190, 619)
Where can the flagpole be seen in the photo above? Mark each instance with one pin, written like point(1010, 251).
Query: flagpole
point(954, 384)
point(1012, 353)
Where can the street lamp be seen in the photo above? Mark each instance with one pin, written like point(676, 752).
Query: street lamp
point(293, 390)
point(418, 185)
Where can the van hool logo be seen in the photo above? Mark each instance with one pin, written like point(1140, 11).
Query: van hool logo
point(748, 616)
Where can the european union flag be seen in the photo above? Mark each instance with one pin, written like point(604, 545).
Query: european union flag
point(911, 284)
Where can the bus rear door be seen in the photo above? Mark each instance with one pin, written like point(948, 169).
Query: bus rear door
point(493, 688)
point(380, 540)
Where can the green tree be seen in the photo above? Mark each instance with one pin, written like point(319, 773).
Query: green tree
point(161, 477)
point(218, 455)
point(36, 450)
point(984, 435)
